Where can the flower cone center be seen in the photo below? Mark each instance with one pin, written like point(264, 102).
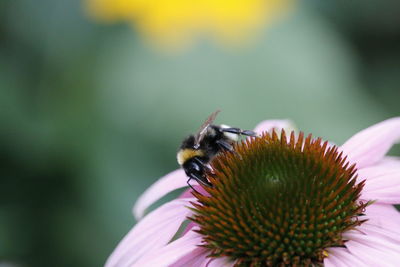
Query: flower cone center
point(278, 201)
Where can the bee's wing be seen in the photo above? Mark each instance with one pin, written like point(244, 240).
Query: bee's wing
point(203, 128)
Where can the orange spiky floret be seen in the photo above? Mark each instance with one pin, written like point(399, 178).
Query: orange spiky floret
point(278, 202)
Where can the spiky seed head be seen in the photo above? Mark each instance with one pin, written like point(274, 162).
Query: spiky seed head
point(278, 201)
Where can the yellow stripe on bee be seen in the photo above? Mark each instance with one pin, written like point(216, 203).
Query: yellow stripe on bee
point(188, 153)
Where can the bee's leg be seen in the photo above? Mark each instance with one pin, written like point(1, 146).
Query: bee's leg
point(225, 145)
point(204, 165)
point(191, 187)
point(238, 131)
point(200, 179)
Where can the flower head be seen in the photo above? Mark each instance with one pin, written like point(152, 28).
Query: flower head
point(279, 201)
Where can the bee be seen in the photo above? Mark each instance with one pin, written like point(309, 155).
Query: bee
point(197, 151)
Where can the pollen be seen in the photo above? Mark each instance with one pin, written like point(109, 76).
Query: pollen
point(279, 201)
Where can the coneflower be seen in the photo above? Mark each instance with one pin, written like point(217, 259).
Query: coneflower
point(278, 200)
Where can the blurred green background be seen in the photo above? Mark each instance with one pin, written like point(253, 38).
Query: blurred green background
point(93, 113)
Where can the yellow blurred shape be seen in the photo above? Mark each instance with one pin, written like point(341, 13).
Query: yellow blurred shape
point(175, 23)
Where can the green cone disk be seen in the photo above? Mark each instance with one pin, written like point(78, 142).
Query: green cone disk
point(278, 201)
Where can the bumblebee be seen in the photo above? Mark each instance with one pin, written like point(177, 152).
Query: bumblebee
point(197, 151)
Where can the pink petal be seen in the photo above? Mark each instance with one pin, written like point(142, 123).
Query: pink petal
point(189, 227)
point(153, 232)
point(373, 256)
point(370, 145)
point(385, 196)
point(188, 192)
point(382, 182)
point(170, 182)
point(196, 258)
point(380, 247)
point(180, 249)
point(331, 262)
point(268, 125)
point(376, 169)
point(220, 262)
point(376, 240)
point(383, 219)
point(383, 216)
point(390, 237)
point(390, 160)
point(342, 257)
point(388, 166)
